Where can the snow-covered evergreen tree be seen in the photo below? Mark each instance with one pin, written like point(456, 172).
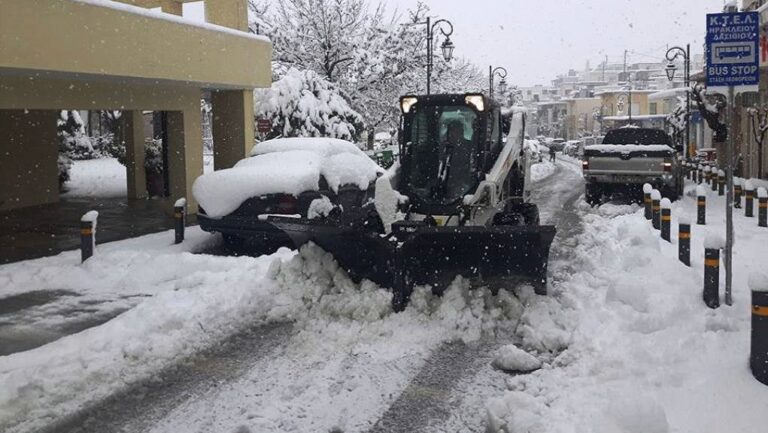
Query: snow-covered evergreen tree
point(304, 104)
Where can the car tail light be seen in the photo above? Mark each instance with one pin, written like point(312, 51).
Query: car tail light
point(585, 164)
point(287, 204)
point(667, 165)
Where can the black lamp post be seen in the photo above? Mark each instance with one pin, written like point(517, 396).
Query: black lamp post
point(502, 73)
point(672, 55)
point(446, 47)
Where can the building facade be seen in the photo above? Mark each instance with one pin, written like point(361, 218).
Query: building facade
point(123, 56)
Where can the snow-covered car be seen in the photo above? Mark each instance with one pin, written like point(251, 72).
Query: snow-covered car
point(533, 149)
point(301, 177)
point(571, 147)
point(558, 144)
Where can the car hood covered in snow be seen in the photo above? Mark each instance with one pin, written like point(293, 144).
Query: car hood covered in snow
point(286, 165)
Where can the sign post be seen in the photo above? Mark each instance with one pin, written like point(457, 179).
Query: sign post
point(733, 56)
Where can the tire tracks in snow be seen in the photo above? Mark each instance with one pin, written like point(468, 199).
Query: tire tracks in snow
point(142, 404)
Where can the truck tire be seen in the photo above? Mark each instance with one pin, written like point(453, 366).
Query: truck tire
point(593, 192)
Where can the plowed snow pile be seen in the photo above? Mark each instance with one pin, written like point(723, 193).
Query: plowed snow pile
point(637, 351)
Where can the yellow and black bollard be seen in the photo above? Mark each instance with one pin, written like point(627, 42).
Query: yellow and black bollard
point(647, 188)
point(720, 182)
point(758, 354)
point(711, 295)
point(179, 219)
point(666, 219)
point(88, 234)
point(701, 205)
point(737, 192)
point(701, 174)
point(713, 178)
point(684, 241)
point(694, 173)
point(749, 201)
point(762, 207)
point(656, 209)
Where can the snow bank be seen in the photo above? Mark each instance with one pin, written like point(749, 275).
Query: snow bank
point(510, 358)
point(288, 166)
point(542, 170)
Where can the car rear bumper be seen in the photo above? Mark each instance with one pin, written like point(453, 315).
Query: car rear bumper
point(245, 226)
point(660, 178)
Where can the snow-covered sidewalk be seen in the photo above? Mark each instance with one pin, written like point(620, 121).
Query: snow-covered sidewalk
point(628, 342)
point(103, 177)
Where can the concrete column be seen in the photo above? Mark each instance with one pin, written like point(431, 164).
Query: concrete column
point(132, 126)
point(185, 153)
point(232, 126)
point(227, 13)
point(28, 157)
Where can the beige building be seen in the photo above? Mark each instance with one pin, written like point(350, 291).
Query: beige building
point(580, 118)
point(103, 55)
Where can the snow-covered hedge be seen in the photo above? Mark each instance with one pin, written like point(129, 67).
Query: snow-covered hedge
point(303, 104)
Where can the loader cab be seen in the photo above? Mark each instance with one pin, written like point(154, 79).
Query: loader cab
point(447, 143)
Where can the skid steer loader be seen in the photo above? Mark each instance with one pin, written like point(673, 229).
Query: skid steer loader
point(455, 204)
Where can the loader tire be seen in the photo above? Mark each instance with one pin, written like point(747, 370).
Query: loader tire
point(401, 292)
point(540, 287)
point(513, 213)
point(593, 194)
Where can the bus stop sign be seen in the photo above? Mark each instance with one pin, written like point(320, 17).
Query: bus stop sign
point(733, 53)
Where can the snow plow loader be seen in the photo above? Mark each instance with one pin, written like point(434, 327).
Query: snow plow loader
point(455, 204)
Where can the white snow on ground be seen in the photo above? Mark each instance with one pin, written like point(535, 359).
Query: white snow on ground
point(287, 165)
point(633, 348)
point(197, 300)
point(541, 170)
point(513, 359)
point(104, 177)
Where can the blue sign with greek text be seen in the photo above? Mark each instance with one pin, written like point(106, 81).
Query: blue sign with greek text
point(733, 53)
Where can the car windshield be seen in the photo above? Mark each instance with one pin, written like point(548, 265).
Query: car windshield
point(442, 146)
point(640, 136)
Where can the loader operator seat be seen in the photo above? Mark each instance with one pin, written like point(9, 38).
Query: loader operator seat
point(461, 153)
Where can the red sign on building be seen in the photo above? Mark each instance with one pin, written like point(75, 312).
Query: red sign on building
point(263, 125)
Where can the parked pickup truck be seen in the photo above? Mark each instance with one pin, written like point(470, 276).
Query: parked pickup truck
point(629, 157)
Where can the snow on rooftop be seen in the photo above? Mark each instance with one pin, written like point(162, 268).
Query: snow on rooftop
point(669, 93)
point(149, 13)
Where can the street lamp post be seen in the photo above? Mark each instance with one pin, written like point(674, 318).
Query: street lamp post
point(672, 55)
point(446, 47)
point(502, 73)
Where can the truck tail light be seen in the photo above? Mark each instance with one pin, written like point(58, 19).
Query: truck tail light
point(585, 164)
point(667, 165)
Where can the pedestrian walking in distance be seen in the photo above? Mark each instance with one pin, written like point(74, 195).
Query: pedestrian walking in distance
point(552, 154)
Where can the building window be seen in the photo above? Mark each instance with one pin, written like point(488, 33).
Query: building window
point(653, 109)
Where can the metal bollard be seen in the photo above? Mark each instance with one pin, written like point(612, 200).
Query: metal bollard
point(762, 207)
point(694, 173)
point(749, 202)
point(721, 182)
point(666, 219)
point(707, 175)
point(684, 241)
point(713, 178)
point(88, 234)
point(656, 209)
point(647, 188)
point(711, 295)
point(701, 205)
point(737, 192)
point(701, 173)
point(758, 354)
point(179, 219)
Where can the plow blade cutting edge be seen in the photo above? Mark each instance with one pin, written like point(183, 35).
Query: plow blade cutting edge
point(497, 256)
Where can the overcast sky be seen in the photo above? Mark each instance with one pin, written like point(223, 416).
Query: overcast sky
point(537, 39)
